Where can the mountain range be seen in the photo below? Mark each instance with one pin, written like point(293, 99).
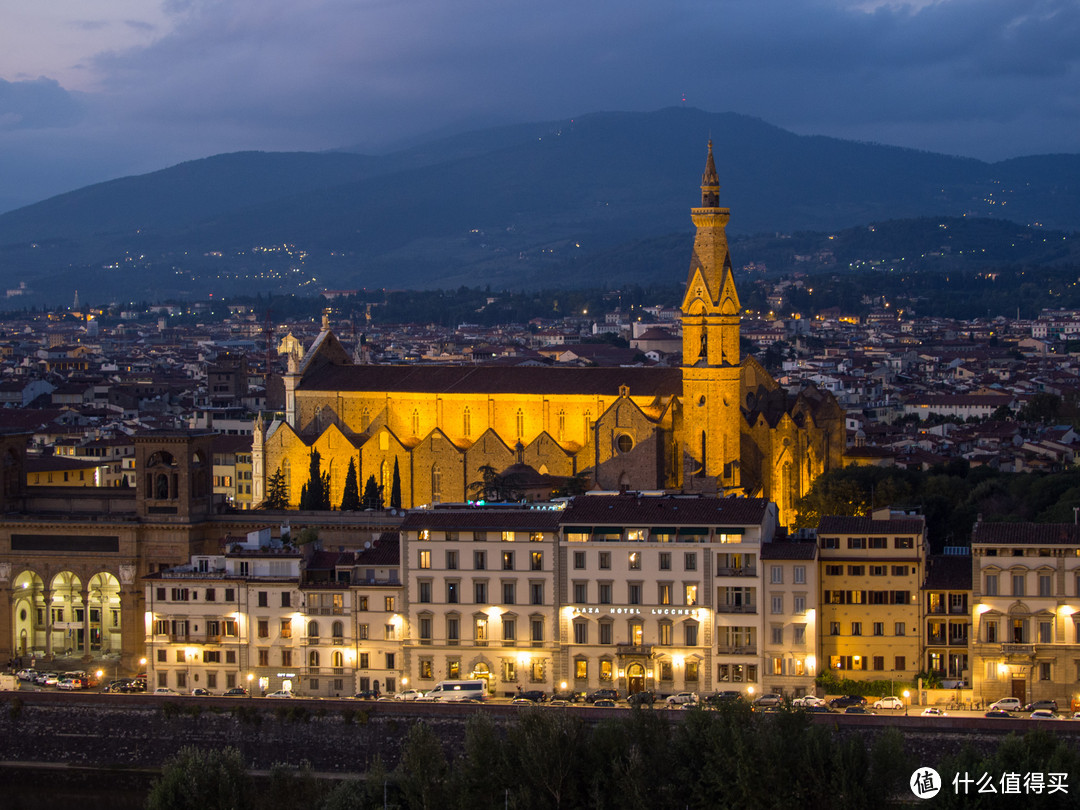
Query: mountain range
point(526, 205)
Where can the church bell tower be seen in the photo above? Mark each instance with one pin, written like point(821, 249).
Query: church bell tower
point(711, 372)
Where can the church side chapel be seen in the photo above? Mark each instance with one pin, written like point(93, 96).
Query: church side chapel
point(719, 425)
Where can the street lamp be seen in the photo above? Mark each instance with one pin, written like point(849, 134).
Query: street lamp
point(907, 697)
point(250, 678)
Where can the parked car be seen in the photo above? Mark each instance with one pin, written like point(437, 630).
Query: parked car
point(1047, 705)
point(68, 684)
point(49, 679)
point(817, 708)
point(682, 697)
point(933, 711)
point(409, 694)
point(806, 701)
point(1007, 704)
point(642, 698)
point(236, 691)
point(602, 694)
point(114, 686)
point(532, 695)
point(366, 694)
point(857, 710)
point(726, 696)
point(844, 701)
point(558, 702)
point(604, 703)
point(26, 674)
point(200, 692)
point(520, 701)
point(164, 691)
point(280, 693)
point(890, 702)
point(770, 700)
point(1044, 714)
point(998, 713)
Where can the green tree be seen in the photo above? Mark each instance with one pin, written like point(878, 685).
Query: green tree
point(372, 494)
point(395, 487)
point(1042, 407)
point(277, 496)
point(422, 772)
point(202, 779)
point(315, 494)
point(350, 499)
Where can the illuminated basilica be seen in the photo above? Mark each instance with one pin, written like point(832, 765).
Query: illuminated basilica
point(719, 424)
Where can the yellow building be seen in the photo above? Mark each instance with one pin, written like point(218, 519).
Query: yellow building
point(871, 576)
point(717, 425)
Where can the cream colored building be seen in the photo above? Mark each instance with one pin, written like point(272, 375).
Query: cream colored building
point(662, 593)
point(480, 597)
point(790, 637)
point(266, 617)
point(871, 572)
point(1025, 611)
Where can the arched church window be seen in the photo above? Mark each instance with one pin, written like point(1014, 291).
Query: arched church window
point(588, 425)
point(416, 422)
point(466, 422)
point(562, 425)
point(286, 473)
point(520, 423)
point(161, 487)
point(384, 480)
point(436, 484)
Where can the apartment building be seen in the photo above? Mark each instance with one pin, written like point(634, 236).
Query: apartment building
point(1025, 611)
point(480, 597)
point(871, 575)
point(662, 593)
point(256, 617)
point(947, 617)
point(790, 638)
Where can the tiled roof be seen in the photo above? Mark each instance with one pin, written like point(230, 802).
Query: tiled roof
point(482, 519)
point(1036, 534)
point(842, 524)
point(643, 510)
point(496, 380)
point(947, 572)
point(789, 551)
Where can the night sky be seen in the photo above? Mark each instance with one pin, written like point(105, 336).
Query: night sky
point(96, 89)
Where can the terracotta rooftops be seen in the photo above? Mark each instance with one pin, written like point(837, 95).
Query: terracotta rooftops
point(842, 524)
point(1035, 534)
point(496, 380)
point(643, 510)
point(482, 519)
point(788, 551)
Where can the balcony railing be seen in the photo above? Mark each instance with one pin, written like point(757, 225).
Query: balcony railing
point(737, 649)
point(633, 649)
point(736, 572)
point(751, 608)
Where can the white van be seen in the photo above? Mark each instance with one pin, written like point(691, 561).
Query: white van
point(450, 691)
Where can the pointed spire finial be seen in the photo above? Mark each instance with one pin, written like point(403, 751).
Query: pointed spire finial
point(710, 182)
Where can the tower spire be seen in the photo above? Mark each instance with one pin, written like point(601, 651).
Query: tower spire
point(710, 182)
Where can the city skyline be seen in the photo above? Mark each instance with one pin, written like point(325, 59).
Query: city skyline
point(125, 88)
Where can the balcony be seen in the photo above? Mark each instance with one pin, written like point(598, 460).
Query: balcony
point(936, 638)
point(736, 649)
point(736, 572)
point(751, 608)
point(1017, 649)
point(633, 649)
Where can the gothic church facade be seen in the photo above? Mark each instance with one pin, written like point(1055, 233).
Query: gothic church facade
point(719, 424)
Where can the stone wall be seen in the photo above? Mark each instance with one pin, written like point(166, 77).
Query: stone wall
point(344, 736)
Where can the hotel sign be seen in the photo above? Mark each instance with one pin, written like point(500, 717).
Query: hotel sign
point(635, 610)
